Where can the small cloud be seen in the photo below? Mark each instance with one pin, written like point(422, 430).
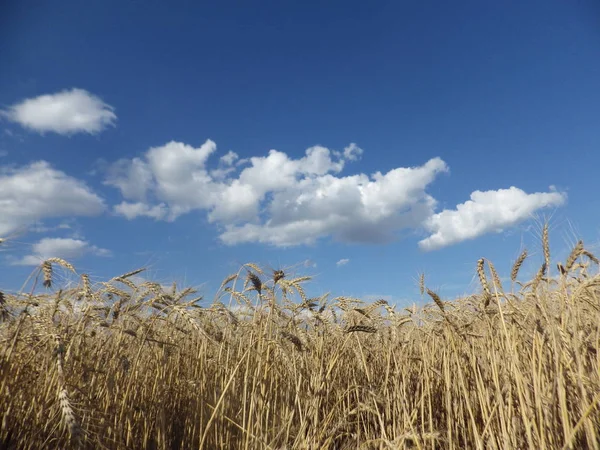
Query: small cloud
point(342, 262)
point(66, 112)
point(133, 210)
point(486, 212)
point(229, 158)
point(65, 248)
point(353, 152)
point(309, 263)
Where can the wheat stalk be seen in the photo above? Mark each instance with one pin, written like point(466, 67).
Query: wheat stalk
point(436, 298)
point(546, 245)
point(47, 270)
point(68, 414)
point(61, 262)
point(575, 253)
point(361, 328)
point(487, 295)
point(517, 265)
point(495, 277)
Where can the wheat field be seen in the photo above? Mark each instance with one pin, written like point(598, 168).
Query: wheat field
point(130, 364)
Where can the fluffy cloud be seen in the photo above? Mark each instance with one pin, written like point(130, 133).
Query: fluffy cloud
point(282, 201)
point(65, 248)
point(486, 212)
point(276, 199)
point(355, 208)
point(342, 262)
point(37, 191)
point(175, 174)
point(66, 112)
point(133, 178)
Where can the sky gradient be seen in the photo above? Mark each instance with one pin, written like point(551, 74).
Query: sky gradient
point(359, 143)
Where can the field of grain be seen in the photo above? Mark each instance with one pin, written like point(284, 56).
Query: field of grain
point(129, 364)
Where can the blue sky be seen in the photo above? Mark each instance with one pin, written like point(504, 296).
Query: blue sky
point(357, 142)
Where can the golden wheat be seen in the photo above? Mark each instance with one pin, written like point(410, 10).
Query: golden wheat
point(130, 364)
point(517, 265)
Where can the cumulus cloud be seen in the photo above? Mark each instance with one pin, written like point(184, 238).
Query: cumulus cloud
point(132, 177)
point(65, 248)
point(489, 211)
point(357, 208)
point(66, 112)
point(283, 201)
point(175, 174)
point(276, 199)
point(342, 262)
point(37, 191)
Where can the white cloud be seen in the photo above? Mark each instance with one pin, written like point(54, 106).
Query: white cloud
point(278, 200)
point(489, 211)
point(229, 158)
point(66, 112)
point(65, 248)
point(175, 174)
point(31, 193)
point(342, 262)
point(132, 177)
point(138, 209)
point(39, 227)
point(353, 152)
point(356, 208)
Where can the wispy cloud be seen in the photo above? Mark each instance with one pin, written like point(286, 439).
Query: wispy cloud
point(39, 227)
point(139, 209)
point(342, 262)
point(66, 112)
